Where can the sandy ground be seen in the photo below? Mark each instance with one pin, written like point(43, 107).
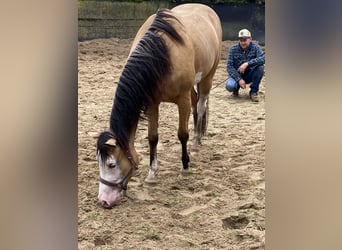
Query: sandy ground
point(221, 205)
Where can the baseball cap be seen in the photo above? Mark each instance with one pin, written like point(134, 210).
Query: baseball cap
point(244, 33)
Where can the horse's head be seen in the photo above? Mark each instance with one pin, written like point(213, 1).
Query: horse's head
point(116, 169)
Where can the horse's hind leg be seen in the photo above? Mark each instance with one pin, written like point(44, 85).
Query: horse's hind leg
point(194, 99)
point(153, 114)
point(202, 113)
point(201, 110)
point(205, 118)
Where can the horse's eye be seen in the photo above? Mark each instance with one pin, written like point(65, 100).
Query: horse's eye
point(111, 165)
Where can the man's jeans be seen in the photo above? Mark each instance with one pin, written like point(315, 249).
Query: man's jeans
point(250, 76)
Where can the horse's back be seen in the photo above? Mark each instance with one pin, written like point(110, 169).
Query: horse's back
point(203, 27)
point(199, 20)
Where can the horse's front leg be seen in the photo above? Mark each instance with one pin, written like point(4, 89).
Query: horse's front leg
point(184, 109)
point(153, 116)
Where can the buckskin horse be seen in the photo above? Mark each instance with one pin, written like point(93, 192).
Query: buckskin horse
point(173, 58)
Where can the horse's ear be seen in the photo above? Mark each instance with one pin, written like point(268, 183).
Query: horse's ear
point(111, 142)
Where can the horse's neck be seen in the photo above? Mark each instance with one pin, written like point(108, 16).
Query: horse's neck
point(131, 144)
point(132, 134)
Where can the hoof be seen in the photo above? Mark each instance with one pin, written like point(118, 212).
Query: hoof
point(151, 180)
point(186, 172)
point(194, 149)
point(194, 153)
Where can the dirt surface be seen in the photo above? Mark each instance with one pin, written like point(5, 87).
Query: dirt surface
point(221, 205)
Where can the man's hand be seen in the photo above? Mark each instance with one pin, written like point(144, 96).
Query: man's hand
point(242, 83)
point(243, 68)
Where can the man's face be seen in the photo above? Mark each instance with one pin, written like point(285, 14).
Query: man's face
point(244, 42)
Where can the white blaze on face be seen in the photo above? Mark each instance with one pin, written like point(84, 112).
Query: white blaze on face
point(109, 195)
point(198, 77)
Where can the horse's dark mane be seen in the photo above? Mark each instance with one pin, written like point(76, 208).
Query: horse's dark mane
point(138, 84)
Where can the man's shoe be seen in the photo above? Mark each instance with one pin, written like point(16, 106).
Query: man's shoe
point(254, 97)
point(235, 93)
